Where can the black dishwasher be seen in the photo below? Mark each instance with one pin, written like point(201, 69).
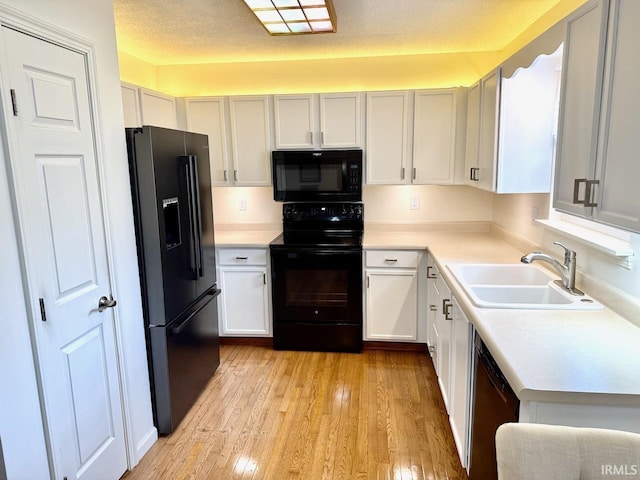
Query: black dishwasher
point(495, 403)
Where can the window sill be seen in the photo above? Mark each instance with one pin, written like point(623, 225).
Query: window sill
point(595, 240)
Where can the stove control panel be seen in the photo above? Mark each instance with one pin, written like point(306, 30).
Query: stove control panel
point(322, 212)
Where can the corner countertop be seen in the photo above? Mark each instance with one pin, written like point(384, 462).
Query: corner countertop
point(568, 356)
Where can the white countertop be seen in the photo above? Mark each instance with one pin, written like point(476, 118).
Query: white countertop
point(245, 238)
point(573, 356)
point(547, 355)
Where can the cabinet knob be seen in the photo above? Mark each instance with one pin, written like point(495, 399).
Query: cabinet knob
point(433, 308)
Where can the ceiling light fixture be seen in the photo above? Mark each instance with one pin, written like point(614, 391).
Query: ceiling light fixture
point(293, 17)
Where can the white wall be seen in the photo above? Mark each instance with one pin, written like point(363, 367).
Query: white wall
point(95, 23)
point(513, 213)
point(383, 204)
point(390, 204)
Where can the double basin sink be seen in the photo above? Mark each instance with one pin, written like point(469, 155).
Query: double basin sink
point(516, 286)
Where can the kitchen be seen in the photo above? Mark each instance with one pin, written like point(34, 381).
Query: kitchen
point(385, 204)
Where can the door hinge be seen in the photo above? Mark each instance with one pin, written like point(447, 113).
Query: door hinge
point(14, 103)
point(43, 313)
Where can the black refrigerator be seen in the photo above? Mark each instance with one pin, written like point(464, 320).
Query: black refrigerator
point(173, 214)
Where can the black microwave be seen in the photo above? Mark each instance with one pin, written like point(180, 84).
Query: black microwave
point(317, 175)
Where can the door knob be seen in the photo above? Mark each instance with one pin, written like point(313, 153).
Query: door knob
point(105, 303)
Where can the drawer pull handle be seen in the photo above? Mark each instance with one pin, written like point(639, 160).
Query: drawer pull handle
point(391, 260)
point(429, 274)
point(433, 308)
point(242, 258)
point(446, 305)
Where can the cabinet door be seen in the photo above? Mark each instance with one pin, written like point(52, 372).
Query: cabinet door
point(434, 135)
point(460, 388)
point(444, 327)
point(294, 121)
point(131, 105)
point(157, 109)
point(392, 305)
point(432, 306)
point(473, 134)
point(250, 140)
point(340, 120)
point(207, 115)
point(244, 302)
point(489, 105)
point(618, 167)
point(387, 123)
point(579, 106)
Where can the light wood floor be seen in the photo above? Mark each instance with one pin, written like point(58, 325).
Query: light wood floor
point(305, 415)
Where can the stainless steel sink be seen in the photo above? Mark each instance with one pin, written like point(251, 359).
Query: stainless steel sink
point(516, 286)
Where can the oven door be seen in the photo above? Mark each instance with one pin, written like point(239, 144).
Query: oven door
point(317, 285)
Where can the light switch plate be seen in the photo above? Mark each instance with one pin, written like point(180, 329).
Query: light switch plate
point(414, 202)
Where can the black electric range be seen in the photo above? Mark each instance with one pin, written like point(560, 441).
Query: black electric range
point(316, 273)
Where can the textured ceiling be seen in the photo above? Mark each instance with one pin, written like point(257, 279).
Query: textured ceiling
point(169, 32)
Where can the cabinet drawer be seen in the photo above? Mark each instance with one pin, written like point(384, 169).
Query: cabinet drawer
point(392, 258)
point(242, 256)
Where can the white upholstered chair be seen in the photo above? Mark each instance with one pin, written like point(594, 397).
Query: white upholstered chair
point(528, 451)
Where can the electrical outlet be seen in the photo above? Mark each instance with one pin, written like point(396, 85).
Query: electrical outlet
point(243, 204)
point(414, 202)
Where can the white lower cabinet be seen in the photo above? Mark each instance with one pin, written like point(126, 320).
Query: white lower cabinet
point(391, 295)
point(450, 346)
point(244, 303)
point(460, 382)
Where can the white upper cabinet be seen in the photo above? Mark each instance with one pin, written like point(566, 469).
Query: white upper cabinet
point(473, 134)
point(157, 109)
point(340, 120)
point(597, 167)
point(295, 123)
point(331, 120)
point(387, 133)
point(489, 100)
point(207, 115)
point(434, 136)
point(131, 105)
point(250, 140)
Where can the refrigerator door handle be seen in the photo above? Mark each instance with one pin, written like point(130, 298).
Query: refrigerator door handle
point(197, 226)
point(193, 238)
point(179, 328)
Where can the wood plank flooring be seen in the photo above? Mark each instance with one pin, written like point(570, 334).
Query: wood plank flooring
point(306, 415)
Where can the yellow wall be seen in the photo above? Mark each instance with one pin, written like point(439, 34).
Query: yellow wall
point(136, 71)
point(346, 74)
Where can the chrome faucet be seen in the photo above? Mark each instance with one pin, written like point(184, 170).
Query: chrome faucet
point(566, 271)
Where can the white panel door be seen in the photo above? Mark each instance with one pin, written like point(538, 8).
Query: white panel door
point(250, 140)
point(340, 120)
point(487, 146)
point(473, 135)
point(294, 121)
point(157, 109)
point(618, 168)
point(131, 105)
point(61, 223)
point(244, 303)
point(387, 124)
point(434, 136)
point(207, 115)
point(392, 305)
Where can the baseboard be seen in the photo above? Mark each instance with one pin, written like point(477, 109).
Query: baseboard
point(253, 341)
point(396, 346)
point(391, 346)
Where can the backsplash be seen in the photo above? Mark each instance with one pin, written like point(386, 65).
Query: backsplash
point(383, 204)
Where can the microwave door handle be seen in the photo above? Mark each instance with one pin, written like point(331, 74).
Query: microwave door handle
point(197, 213)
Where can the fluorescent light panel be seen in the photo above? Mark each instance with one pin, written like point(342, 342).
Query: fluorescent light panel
point(292, 17)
